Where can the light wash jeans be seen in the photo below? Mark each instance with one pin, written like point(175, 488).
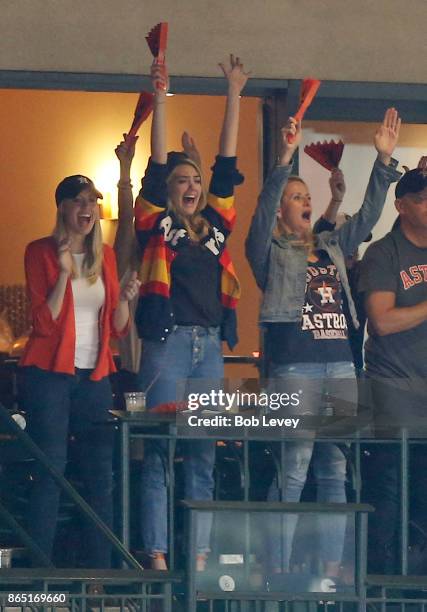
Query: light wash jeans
point(191, 355)
point(338, 381)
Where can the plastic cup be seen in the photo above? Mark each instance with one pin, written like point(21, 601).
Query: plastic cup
point(135, 401)
point(5, 557)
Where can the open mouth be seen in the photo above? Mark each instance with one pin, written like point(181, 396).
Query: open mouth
point(84, 219)
point(306, 215)
point(189, 199)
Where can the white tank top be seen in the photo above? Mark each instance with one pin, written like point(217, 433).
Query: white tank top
point(88, 301)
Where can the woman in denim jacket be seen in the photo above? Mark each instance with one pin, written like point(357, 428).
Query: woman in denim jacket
point(302, 278)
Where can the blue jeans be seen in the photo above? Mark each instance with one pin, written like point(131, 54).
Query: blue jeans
point(190, 356)
point(59, 405)
point(315, 380)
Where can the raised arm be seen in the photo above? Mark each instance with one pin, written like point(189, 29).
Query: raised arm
point(160, 81)
point(287, 149)
point(124, 242)
point(337, 185)
point(263, 222)
point(384, 172)
point(387, 135)
point(152, 198)
point(236, 77)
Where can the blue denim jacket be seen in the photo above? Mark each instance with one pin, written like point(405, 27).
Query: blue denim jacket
point(279, 266)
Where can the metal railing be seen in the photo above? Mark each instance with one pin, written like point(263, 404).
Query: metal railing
point(64, 486)
point(150, 426)
point(60, 589)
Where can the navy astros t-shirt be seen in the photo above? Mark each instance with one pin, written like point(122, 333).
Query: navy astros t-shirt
point(321, 336)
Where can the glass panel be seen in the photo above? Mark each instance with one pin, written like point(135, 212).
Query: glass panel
point(277, 552)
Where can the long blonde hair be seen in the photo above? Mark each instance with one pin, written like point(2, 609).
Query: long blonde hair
point(93, 249)
point(196, 225)
point(308, 242)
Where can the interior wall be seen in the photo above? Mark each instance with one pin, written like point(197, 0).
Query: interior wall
point(367, 40)
point(49, 135)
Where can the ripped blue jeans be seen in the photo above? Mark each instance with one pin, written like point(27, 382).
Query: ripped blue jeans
point(328, 460)
point(191, 357)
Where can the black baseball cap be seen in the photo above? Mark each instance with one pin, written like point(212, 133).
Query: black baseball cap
point(177, 158)
point(412, 181)
point(71, 186)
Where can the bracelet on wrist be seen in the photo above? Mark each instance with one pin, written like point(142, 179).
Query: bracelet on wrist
point(336, 201)
point(123, 183)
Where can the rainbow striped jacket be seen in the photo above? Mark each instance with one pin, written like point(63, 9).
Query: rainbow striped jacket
point(160, 236)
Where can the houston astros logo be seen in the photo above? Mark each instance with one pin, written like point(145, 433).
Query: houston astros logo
point(327, 294)
point(324, 294)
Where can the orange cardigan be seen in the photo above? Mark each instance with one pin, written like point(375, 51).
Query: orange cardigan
point(51, 345)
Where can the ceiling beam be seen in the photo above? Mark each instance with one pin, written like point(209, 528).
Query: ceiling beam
point(336, 100)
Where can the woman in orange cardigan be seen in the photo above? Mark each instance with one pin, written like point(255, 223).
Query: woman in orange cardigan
point(76, 306)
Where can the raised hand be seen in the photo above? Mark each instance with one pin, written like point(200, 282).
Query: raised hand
point(190, 149)
point(337, 185)
point(125, 150)
point(236, 77)
point(387, 135)
point(287, 149)
point(131, 289)
point(65, 259)
point(235, 74)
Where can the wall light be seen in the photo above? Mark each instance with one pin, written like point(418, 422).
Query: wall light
point(106, 176)
point(109, 209)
